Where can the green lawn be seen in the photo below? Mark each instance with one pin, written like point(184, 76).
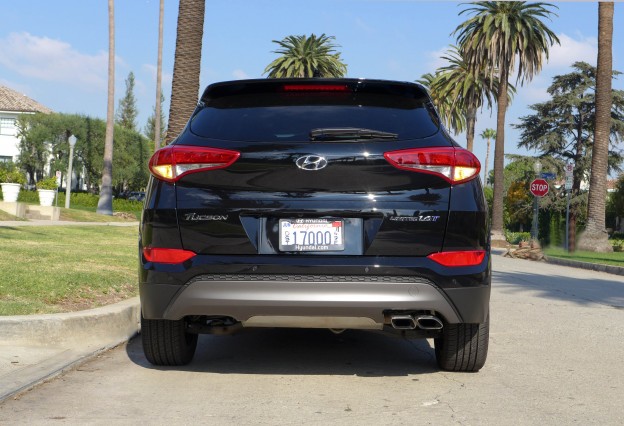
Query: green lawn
point(616, 258)
point(66, 268)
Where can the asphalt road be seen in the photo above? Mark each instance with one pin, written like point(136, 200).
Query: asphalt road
point(556, 357)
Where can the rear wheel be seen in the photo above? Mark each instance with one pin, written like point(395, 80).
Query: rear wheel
point(463, 347)
point(166, 342)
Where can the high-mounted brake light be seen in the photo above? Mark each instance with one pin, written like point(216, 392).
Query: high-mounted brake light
point(316, 88)
point(167, 255)
point(458, 258)
point(455, 165)
point(174, 161)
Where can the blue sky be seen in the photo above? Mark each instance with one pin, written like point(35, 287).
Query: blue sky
point(56, 52)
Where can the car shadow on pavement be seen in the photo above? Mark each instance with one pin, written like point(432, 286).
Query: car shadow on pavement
point(303, 352)
point(600, 288)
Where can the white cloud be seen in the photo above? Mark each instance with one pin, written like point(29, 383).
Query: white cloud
point(571, 50)
point(151, 70)
point(53, 60)
point(240, 75)
point(435, 59)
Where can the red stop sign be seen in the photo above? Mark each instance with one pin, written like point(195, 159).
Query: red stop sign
point(539, 187)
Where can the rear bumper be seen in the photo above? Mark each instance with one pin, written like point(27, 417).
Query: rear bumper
point(363, 299)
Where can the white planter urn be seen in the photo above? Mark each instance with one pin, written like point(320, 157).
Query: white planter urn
point(10, 191)
point(46, 197)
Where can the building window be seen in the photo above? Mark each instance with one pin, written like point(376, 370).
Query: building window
point(7, 126)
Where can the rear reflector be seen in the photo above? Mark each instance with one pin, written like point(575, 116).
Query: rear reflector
point(174, 161)
point(455, 165)
point(166, 255)
point(458, 258)
point(316, 88)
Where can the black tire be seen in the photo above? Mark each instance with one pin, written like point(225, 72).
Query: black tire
point(463, 347)
point(167, 342)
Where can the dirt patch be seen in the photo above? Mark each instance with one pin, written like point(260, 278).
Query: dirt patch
point(89, 298)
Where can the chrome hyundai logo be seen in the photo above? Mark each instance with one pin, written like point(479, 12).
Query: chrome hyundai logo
point(311, 162)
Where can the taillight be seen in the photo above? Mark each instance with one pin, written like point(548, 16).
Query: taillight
point(174, 161)
point(458, 258)
point(166, 255)
point(316, 88)
point(455, 165)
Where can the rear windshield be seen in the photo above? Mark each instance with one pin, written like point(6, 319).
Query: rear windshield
point(270, 117)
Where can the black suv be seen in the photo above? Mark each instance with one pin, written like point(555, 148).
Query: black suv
point(315, 203)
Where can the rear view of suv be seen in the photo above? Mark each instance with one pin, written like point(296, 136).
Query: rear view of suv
point(315, 203)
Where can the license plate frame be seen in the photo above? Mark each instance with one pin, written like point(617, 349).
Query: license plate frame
point(305, 234)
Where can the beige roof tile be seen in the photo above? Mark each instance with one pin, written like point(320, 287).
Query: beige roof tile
point(10, 100)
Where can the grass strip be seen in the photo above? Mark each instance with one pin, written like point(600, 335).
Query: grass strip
point(616, 258)
point(62, 269)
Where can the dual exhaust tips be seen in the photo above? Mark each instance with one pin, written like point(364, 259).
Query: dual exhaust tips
point(422, 322)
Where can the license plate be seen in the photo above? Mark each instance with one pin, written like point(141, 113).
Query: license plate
point(311, 235)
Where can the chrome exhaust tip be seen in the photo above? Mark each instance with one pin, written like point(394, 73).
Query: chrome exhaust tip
point(403, 322)
point(429, 322)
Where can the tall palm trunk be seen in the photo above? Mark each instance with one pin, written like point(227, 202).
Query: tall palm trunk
point(157, 113)
point(105, 203)
point(471, 119)
point(186, 68)
point(498, 234)
point(487, 161)
point(595, 235)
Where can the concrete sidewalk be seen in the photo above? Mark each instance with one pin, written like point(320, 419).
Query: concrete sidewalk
point(36, 348)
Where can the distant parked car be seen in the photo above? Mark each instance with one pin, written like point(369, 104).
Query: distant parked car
point(136, 196)
point(315, 203)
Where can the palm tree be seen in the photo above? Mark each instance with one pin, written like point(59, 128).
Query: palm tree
point(499, 34)
point(303, 56)
point(450, 113)
point(157, 113)
point(487, 134)
point(105, 203)
point(466, 86)
point(186, 66)
point(595, 235)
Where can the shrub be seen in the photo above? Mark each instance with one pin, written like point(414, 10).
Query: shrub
point(618, 245)
point(12, 176)
point(516, 237)
point(47, 183)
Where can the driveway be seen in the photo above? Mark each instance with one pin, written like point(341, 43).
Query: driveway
point(556, 357)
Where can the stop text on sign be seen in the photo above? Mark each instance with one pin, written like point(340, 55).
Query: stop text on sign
point(539, 187)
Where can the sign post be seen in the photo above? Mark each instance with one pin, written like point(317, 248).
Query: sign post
point(569, 180)
point(539, 188)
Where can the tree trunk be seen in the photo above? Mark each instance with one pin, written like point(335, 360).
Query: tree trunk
point(157, 113)
point(595, 236)
point(471, 118)
point(487, 160)
point(186, 68)
point(498, 234)
point(105, 203)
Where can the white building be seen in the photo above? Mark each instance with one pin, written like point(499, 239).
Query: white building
point(12, 105)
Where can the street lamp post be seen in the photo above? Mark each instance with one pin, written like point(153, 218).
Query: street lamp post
point(537, 167)
point(72, 143)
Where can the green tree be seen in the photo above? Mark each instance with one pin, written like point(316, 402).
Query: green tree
point(105, 203)
point(563, 128)
point(127, 111)
point(450, 113)
point(503, 37)
point(303, 56)
point(488, 135)
point(186, 65)
point(595, 236)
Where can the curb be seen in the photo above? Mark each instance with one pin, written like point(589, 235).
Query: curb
point(45, 346)
point(107, 325)
point(609, 269)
